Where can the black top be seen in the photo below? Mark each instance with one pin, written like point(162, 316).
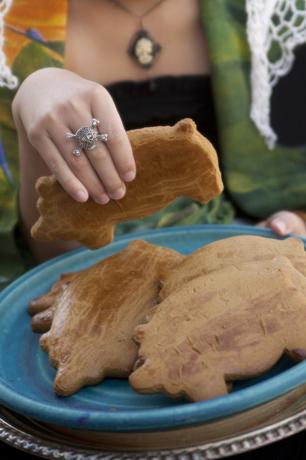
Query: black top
point(165, 100)
point(288, 103)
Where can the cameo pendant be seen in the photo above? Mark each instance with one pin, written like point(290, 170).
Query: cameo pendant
point(144, 49)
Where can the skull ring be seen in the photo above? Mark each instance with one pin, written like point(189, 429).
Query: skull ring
point(87, 137)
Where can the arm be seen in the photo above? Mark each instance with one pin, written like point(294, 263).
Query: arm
point(49, 103)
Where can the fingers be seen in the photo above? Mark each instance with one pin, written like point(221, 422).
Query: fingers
point(118, 144)
point(58, 166)
point(100, 173)
point(104, 169)
point(102, 163)
point(285, 222)
point(281, 226)
point(80, 166)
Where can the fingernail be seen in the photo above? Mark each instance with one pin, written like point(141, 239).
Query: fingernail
point(81, 196)
point(102, 199)
point(280, 226)
point(117, 194)
point(129, 176)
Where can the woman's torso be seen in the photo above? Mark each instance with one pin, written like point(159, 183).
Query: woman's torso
point(177, 85)
point(99, 34)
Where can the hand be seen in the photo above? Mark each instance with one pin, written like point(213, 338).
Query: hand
point(51, 102)
point(284, 222)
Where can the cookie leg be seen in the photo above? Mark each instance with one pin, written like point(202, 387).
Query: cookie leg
point(145, 379)
point(47, 300)
point(41, 322)
point(208, 387)
point(69, 379)
point(96, 240)
point(42, 303)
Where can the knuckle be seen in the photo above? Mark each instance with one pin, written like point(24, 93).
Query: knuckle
point(77, 164)
point(70, 185)
point(98, 91)
point(99, 154)
point(62, 108)
point(116, 139)
point(54, 167)
point(96, 191)
point(101, 98)
point(74, 105)
point(49, 119)
point(126, 164)
point(114, 186)
point(35, 134)
point(120, 144)
point(39, 129)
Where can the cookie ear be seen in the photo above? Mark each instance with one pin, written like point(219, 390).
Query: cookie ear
point(187, 125)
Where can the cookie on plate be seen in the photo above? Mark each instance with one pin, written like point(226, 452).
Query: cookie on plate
point(42, 308)
point(94, 317)
point(232, 251)
point(233, 323)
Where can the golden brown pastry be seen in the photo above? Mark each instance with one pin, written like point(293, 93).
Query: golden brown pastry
point(230, 324)
point(91, 332)
point(42, 308)
point(232, 251)
point(47, 300)
point(171, 162)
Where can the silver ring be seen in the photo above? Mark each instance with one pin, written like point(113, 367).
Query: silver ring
point(87, 137)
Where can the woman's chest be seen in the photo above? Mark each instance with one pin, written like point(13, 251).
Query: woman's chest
point(99, 35)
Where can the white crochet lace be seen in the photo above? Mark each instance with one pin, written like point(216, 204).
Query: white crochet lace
point(274, 29)
point(7, 79)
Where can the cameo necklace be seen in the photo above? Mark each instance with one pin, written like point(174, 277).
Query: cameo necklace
point(143, 48)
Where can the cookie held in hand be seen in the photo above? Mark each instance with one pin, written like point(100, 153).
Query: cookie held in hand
point(94, 317)
point(230, 324)
point(171, 161)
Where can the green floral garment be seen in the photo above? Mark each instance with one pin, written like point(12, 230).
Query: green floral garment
point(258, 181)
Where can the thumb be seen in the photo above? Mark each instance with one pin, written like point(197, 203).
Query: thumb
point(280, 226)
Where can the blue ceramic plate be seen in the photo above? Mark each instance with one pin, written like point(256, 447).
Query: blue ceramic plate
point(26, 376)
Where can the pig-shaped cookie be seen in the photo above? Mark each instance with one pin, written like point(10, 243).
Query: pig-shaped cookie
point(171, 162)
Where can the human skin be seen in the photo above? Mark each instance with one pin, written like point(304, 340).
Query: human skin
point(43, 115)
point(284, 222)
point(51, 102)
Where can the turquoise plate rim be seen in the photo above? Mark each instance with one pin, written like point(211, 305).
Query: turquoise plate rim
point(161, 418)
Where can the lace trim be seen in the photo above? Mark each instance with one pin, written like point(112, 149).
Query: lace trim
point(274, 29)
point(7, 79)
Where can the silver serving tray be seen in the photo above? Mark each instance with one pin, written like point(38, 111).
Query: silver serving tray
point(43, 441)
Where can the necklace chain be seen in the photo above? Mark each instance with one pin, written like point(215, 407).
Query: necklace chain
point(143, 48)
point(139, 16)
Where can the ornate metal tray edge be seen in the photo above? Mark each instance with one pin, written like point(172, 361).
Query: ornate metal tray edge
point(44, 448)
